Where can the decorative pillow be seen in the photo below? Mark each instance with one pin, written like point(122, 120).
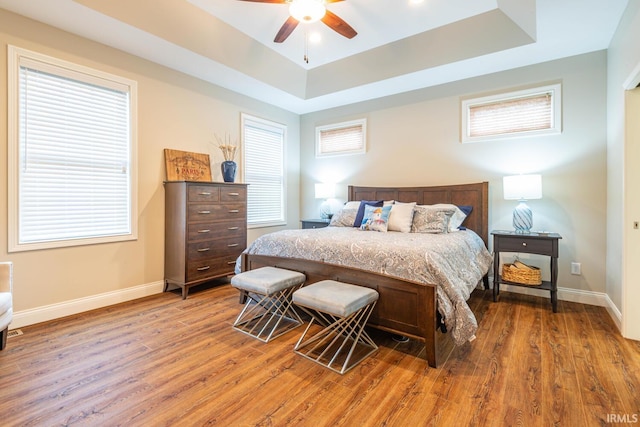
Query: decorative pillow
point(343, 218)
point(457, 218)
point(352, 205)
point(401, 217)
point(467, 210)
point(431, 219)
point(376, 218)
point(360, 214)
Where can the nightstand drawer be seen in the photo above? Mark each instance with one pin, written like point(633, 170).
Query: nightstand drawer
point(531, 246)
point(314, 223)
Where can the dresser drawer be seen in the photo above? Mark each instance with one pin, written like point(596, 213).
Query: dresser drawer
point(233, 194)
point(200, 212)
point(203, 193)
point(215, 248)
point(202, 269)
point(518, 244)
point(216, 229)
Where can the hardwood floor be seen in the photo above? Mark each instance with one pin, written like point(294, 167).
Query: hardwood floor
point(162, 361)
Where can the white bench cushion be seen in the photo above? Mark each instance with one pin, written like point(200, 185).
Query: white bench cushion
point(267, 280)
point(337, 298)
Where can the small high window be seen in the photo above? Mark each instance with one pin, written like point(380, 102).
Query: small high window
point(529, 112)
point(341, 138)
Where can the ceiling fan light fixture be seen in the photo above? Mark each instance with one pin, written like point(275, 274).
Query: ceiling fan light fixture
point(307, 11)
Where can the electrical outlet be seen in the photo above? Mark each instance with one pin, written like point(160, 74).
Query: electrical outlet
point(576, 268)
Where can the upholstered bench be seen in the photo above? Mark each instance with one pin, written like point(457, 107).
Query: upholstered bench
point(268, 312)
point(343, 310)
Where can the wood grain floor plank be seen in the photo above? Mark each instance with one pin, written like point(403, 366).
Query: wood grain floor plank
point(522, 401)
point(622, 365)
point(162, 360)
point(480, 403)
point(602, 397)
point(562, 404)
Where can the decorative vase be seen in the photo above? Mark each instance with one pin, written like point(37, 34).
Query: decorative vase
point(228, 168)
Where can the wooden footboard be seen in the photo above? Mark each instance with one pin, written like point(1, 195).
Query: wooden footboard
point(404, 307)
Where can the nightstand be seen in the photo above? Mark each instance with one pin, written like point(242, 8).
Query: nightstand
point(315, 223)
point(532, 243)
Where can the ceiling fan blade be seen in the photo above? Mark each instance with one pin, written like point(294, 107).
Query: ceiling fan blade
point(287, 28)
point(266, 1)
point(336, 23)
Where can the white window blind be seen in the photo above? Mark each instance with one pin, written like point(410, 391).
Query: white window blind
point(264, 171)
point(74, 156)
point(530, 112)
point(341, 138)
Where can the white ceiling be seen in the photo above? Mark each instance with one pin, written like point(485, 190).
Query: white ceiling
point(400, 46)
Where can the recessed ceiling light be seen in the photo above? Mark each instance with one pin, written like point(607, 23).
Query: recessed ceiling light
point(416, 1)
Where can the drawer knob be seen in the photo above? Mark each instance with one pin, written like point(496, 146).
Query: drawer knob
point(233, 228)
point(205, 268)
point(203, 231)
point(204, 212)
point(524, 243)
point(230, 262)
point(234, 194)
point(232, 245)
point(204, 194)
point(234, 211)
point(204, 249)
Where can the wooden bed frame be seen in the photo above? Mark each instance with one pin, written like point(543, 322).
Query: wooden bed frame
point(404, 307)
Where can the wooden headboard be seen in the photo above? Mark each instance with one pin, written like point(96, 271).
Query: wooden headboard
point(476, 195)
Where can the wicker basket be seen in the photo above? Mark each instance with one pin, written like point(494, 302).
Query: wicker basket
point(519, 272)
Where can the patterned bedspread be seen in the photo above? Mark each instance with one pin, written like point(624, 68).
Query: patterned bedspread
point(454, 261)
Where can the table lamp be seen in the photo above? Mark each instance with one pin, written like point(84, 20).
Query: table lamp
point(326, 192)
point(522, 188)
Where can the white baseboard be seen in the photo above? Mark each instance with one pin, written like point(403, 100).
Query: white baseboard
point(599, 299)
point(67, 308)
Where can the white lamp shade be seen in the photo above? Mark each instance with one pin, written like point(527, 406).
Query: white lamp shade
point(325, 191)
point(307, 11)
point(522, 187)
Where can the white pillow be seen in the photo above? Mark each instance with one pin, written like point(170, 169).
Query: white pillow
point(456, 219)
point(401, 217)
point(352, 205)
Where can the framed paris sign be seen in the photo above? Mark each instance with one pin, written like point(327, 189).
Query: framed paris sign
point(186, 166)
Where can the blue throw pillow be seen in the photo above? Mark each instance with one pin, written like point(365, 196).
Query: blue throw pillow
point(466, 209)
point(360, 214)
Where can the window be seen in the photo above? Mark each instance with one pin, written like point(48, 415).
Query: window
point(523, 113)
point(341, 138)
point(263, 143)
point(72, 152)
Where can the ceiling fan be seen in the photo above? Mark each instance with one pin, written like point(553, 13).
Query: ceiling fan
point(308, 11)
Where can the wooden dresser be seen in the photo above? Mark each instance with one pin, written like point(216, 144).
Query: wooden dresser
point(205, 231)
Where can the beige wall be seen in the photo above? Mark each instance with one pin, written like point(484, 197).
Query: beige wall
point(623, 242)
point(413, 139)
point(175, 111)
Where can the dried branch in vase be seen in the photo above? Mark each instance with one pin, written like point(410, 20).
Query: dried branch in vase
point(227, 147)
